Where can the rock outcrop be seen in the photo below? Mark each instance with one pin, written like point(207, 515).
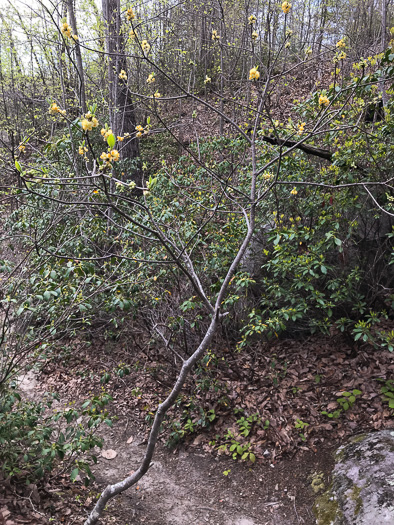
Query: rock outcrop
point(362, 490)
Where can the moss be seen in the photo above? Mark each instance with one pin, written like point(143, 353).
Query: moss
point(317, 482)
point(357, 439)
point(326, 509)
point(355, 496)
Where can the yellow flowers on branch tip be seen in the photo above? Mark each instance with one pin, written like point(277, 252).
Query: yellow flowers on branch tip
point(89, 122)
point(252, 20)
point(82, 150)
point(324, 101)
point(215, 35)
point(106, 133)
point(151, 79)
point(54, 109)
point(286, 7)
point(130, 14)
point(112, 156)
point(341, 44)
point(145, 46)
point(301, 128)
point(254, 74)
point(157, 95)
point(255, 36)
point(123, 75)
point(66, 30)
point(207, 79)
point(293, 191)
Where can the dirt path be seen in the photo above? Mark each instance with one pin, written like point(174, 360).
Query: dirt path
point(189, 487)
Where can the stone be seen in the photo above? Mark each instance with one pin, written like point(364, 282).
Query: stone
point(362, 489)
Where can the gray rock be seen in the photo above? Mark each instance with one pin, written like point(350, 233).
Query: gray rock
point(362, 491)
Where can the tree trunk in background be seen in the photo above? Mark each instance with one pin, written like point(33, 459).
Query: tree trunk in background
point(78, 56)
point(122, 112)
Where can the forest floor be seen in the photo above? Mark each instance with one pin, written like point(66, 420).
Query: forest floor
point(194, 482)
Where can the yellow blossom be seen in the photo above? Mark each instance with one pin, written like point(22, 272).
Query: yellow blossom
point(252, 20)
point(66, 30)
point(323, 100)
point(207, 79)
point(145, 46)
point(21, 148)
point(139, 134)
point(120, 139)
point(130, 14)
point(123, 75)
point(215, 35)
point(286, 7)
point(157, 95)
point(294, 191)
point(341, 43)
point(254, 74)
point(114, 155)
point(95, 122)
point(105, 156)
point(53, 109)
point(151, 78)
point(139, 128)
point(255, 36)
point(86, 125)
point(132, 34)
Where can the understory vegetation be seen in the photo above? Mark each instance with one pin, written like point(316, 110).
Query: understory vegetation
point(198, 201)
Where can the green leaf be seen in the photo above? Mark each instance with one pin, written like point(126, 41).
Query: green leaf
point(252, 457)
point(47, 295)
point(323, 269)
point(18, 166)
point(111, 140)
point(74, 474)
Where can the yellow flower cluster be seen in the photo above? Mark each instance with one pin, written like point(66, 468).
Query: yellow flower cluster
point(140, 131)
point(323, 100)
point(157, 95)
point(254, 74)
point(215, 35)
point(252, 20)
point(21, 147)
point(294, 191)
point(89, 121)
point(145, 46)
point(286, 7)
point(67, 31)
point(130, 14)
point(267, 175)
point(120, 139)
point(207, 79)
point(123, 75)
point(82, 150)
point(112, 156)
point(341, 43)
point(54, 109)
point(106, 133)
point(341, 55)
point(301, 128)
point(151, 78)
point(255, 36)
point(132, 34)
